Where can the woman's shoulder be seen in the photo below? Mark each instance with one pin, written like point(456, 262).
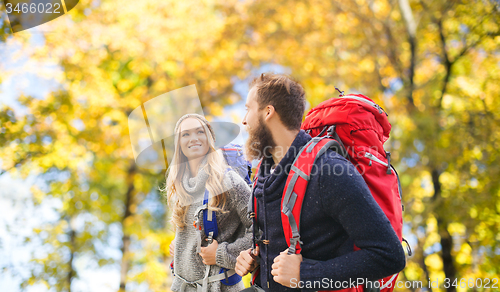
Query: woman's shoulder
point(233, 180)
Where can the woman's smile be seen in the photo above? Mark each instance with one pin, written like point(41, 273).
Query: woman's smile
point(193, 139)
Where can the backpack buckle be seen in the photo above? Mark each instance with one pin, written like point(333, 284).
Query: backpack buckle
point(293, 244)
point(331, 130)
point(388, 155)
point(196, 225)
point(261, 241)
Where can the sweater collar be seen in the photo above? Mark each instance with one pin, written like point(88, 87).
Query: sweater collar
point(195, 185)
point(271, 182)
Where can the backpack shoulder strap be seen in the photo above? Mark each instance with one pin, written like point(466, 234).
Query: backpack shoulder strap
point(252, 207)
point(295, 189)
point(209, 220)
point(253, 215)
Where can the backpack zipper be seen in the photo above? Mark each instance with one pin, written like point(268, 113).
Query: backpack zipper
point(380, 109)
point(374, 158)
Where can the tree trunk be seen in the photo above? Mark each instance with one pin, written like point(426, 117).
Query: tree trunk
point(446, 239)
point(71, 273)
point(129, 197)
point(446, 248)
point(421, 260)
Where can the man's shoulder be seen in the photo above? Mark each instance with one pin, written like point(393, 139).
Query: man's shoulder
point(232, 180)
point(332, 157)
point(332, 166)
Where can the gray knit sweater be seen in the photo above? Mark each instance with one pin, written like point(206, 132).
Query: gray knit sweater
point(232, 238)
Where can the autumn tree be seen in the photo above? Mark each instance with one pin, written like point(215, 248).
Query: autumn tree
point(80, 134)
point(433, 65)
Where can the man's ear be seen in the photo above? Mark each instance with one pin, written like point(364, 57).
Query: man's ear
point(269, 112)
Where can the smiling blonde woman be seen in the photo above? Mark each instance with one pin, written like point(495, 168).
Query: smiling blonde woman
point(195, 168)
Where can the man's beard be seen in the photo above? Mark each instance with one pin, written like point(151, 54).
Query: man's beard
point(260, 142)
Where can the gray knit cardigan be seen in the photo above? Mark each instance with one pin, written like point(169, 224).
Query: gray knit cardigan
point(232, 238)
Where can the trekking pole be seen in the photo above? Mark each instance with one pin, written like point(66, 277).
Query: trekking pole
point(341, 92)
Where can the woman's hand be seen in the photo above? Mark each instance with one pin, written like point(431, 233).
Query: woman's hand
point(171, 248)
point(208, 253)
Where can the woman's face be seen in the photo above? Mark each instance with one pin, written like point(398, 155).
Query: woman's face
point(193, 139)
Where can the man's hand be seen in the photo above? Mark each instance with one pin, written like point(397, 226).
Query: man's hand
point(286, 267)
point(246, 261)
point(208, 253)
point(171, 248)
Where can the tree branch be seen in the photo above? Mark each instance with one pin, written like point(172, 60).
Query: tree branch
point(411, 28)
point(447, 63)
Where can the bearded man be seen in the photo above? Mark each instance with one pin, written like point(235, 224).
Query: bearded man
point(338, 210)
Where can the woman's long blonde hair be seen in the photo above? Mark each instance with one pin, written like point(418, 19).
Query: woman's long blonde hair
point(177, 198)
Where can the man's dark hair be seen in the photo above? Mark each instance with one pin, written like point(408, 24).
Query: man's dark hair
point(284, 94)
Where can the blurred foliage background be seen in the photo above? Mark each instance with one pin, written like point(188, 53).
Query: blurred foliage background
point(432, 65)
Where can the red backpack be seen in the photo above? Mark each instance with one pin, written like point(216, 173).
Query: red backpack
point(355, 127)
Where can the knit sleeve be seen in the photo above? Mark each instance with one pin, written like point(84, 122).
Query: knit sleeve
point(239, 196)
point(346, 198)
